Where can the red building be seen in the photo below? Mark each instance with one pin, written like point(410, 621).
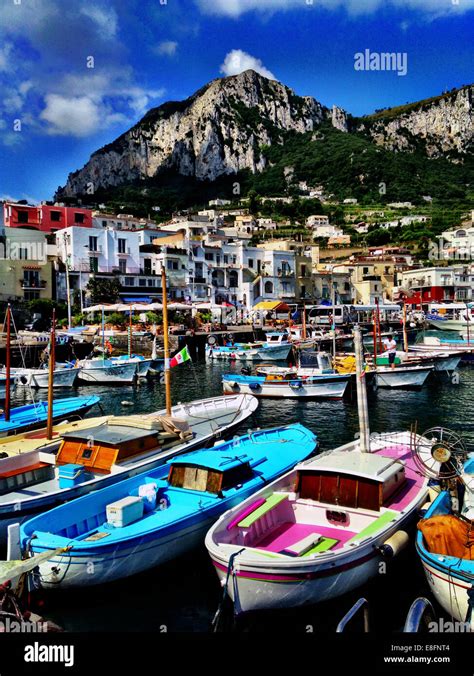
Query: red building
point(44, 217)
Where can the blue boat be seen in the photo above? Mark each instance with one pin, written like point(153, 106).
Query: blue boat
point(151, 518)
point(445, 545)
point(34, 416)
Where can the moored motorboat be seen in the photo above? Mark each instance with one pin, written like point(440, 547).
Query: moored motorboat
point(173, 506)
point(142, 364)
point(403, 376)
point(330, 386)
point(108, 450)
point(105, 371)
point(321, 530)
point(38, 378)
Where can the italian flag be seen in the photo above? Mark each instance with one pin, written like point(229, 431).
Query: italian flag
point(180, 358)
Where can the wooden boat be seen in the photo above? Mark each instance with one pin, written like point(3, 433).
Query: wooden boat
point(94, 456)
point(156, 516)
point(34, 416)
point(444, 541)
point(321, 530)
point(107, 372)
point(330, 386)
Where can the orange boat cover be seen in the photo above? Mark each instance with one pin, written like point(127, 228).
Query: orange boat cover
point(447, 534)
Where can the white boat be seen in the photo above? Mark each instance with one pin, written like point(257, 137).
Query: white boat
point(322, 366)
point(105, 371)
point(330, 386)
point(250, 351)
point(142, 364)
point(38, 378)
point(441, 361)
point(437, 344)
point(116, 448)
point(403, 376)
point(320, 531)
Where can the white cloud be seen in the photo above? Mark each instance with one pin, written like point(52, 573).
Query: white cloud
point(235, 8)
point(167, 48)
point(71, 116)
point(237, 61)
point(105, 19)
point(5, 52)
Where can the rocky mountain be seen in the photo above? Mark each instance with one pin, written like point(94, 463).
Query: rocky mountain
point(226, 128)
point(219, 130)
point(440, 126)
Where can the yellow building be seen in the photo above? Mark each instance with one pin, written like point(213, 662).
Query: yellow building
point(25, 271)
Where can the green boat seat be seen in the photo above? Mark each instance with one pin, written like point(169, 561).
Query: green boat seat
point(311, 544)
point(375, 526)
point(270, 503)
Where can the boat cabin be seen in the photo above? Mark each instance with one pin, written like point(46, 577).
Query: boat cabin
point(278, 338)
point(356, 480)
point(209, 473)
point(99, 448)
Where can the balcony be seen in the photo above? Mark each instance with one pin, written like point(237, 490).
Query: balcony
point(198, 280)
point(127, 252)
point(32, 284)
point(97, 250)
point(285, 273)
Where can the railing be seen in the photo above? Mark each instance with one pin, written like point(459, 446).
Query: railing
point(361, 604)
point(421, 611)
point(31, 284)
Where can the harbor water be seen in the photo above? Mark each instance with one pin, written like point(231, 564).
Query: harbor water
point(184, 595)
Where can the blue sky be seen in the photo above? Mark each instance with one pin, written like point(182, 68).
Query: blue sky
point(56, 109)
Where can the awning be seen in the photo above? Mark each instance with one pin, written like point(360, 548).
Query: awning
point(272, 305)
point(137, 299)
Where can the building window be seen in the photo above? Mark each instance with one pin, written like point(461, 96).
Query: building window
point(303, 270)
point(31, 295)
point(92, 243)
point(104, 224)
point(208, 256)
point(78, 217)
point(365, 271)
point(93, 264)
point(129, 281)
point(226, 259)
point(22, 216)
point(147, 266)
point(172, 265)
point(233, 279)
point(55, 216)
point(122, 264)
point(268, 287)
point(31, 278)
point(121, 245)
point(250, 262)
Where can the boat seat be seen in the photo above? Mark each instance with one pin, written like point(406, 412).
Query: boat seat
point(23, 477)
point(311, 544)
point(269, 504)
point(374, 527)
point(23, 470)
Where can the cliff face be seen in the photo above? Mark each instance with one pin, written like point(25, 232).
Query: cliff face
point(222, 128)
point(442, 126)
point(219, 130)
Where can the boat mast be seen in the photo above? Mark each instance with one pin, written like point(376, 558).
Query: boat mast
point(468, 319)
point(375, 339)
point(304, 320)
point(103, 334)
point(130, 334)
point(8, 366)
point(362, 407)
point(52, 360)
point(405, 335)
point(166, 342)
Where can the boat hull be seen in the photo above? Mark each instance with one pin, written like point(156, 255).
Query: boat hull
point(263, 353)
point(34, 416)
point(265, 586)
point(449, 590)
point(110, 374)
point(411, 377)
point(229, 414)
point(326, 388)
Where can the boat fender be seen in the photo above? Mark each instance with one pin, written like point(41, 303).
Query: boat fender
point(126, 403)
point(395, 544)
point(235, 386)
point(254, 386)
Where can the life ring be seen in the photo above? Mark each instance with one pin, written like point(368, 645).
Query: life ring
point(212, 340)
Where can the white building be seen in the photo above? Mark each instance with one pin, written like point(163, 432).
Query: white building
point(317, 220)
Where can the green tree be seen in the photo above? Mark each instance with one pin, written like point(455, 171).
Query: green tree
point(103, 290)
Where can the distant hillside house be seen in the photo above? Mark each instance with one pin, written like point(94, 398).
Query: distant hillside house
point(315, 221)
point(339, 240)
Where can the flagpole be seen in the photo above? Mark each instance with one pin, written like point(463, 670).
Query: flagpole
point(166, 342)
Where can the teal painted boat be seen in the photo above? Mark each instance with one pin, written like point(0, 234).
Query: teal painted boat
point(34, 416)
